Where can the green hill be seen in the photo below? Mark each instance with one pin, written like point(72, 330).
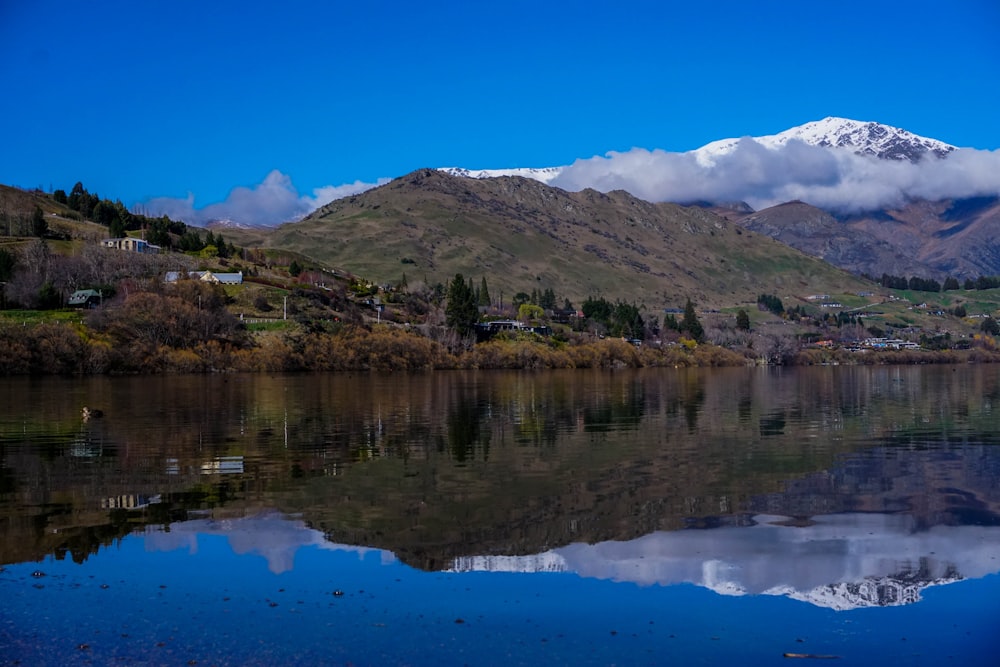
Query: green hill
point(521, 235)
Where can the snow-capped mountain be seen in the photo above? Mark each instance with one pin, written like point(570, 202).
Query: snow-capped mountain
point(863, 138)
point(860, 137)
point(869, 560)
point(543, 174)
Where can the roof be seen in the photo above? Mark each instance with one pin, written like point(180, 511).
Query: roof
point(83, 295)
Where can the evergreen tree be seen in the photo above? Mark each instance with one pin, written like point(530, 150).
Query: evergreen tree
point(220, 243)
point(7, 262)
point(461, 312)
point(76, 196)
point(484, 294)
point(39, 226)
point(117, 228)
point(690, 324)
point(547, 300)
point(743, 320)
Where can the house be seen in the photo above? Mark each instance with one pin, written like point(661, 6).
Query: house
point(84, 298)
point(131, 245)
point(222, 278)
point(487, 330)
point(206, 276)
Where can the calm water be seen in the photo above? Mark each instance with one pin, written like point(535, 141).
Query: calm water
point(642, 517)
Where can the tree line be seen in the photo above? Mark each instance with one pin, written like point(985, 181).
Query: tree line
point(918, 284)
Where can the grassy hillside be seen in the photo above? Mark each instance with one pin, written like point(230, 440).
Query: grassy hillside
point(522, 235)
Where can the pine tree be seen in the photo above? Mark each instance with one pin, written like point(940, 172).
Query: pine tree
point(484, 294)
point(691, 325)
point(743, 320)
point(461, 312)
point(39, 226)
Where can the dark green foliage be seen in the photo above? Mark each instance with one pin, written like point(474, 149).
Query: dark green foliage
point(620, 318)
point(484, 293)
point(690, 324)
point(48, 297)
point(158, 233)
point(103, 214)
point(39, 226)
point(220, 243)
point(990, 326)
point(294, 269)
point(987, 282)
point(117, 228)
point(75, 196)
point(261, 303)
point(936, 342)
point(845, 318)
point(59, 196)
point(924, 285)
point(916, 284)
point(958, 311)
point(547, 300)
point(743, 320)
point(461, 312)
point(190, 241)
point(770, 302)
point(8, 261)
point(950, 284)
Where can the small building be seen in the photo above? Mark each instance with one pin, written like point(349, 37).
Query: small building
point(84, 298)
point(487, 330)
point(131, 244)
point(222, 278)
point(206, 276)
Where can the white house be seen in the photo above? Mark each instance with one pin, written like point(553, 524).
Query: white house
point(132, 245)
point(206, 276)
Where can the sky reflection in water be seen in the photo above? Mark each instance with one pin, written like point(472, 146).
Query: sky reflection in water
point(662, 517)
point(269, 590)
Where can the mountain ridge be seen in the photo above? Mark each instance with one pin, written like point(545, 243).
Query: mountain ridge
point(861, 137)
point(522, 234)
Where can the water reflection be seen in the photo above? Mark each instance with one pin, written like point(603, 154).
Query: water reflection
point(446, 466)
point(722, 516)
point(842, 561)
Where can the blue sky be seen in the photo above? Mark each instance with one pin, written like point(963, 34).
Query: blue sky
point(189, 100)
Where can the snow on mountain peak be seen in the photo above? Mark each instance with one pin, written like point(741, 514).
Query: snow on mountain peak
point(861, 137)
point(543, 174)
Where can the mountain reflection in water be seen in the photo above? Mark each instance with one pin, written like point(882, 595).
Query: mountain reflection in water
point(843, 488)
point(839, 561)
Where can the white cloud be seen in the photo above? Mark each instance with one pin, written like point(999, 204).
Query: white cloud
point(273, 201)
point(835, 179)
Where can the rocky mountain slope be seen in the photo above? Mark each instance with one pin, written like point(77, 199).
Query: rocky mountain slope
point(521, 235)
point(958, 237)
point(861, 137)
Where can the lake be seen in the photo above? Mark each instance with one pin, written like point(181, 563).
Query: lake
point(669, 516)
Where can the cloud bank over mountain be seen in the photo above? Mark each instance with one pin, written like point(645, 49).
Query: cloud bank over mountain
point(837, 164)
point(273, 201)
point(830, 178)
